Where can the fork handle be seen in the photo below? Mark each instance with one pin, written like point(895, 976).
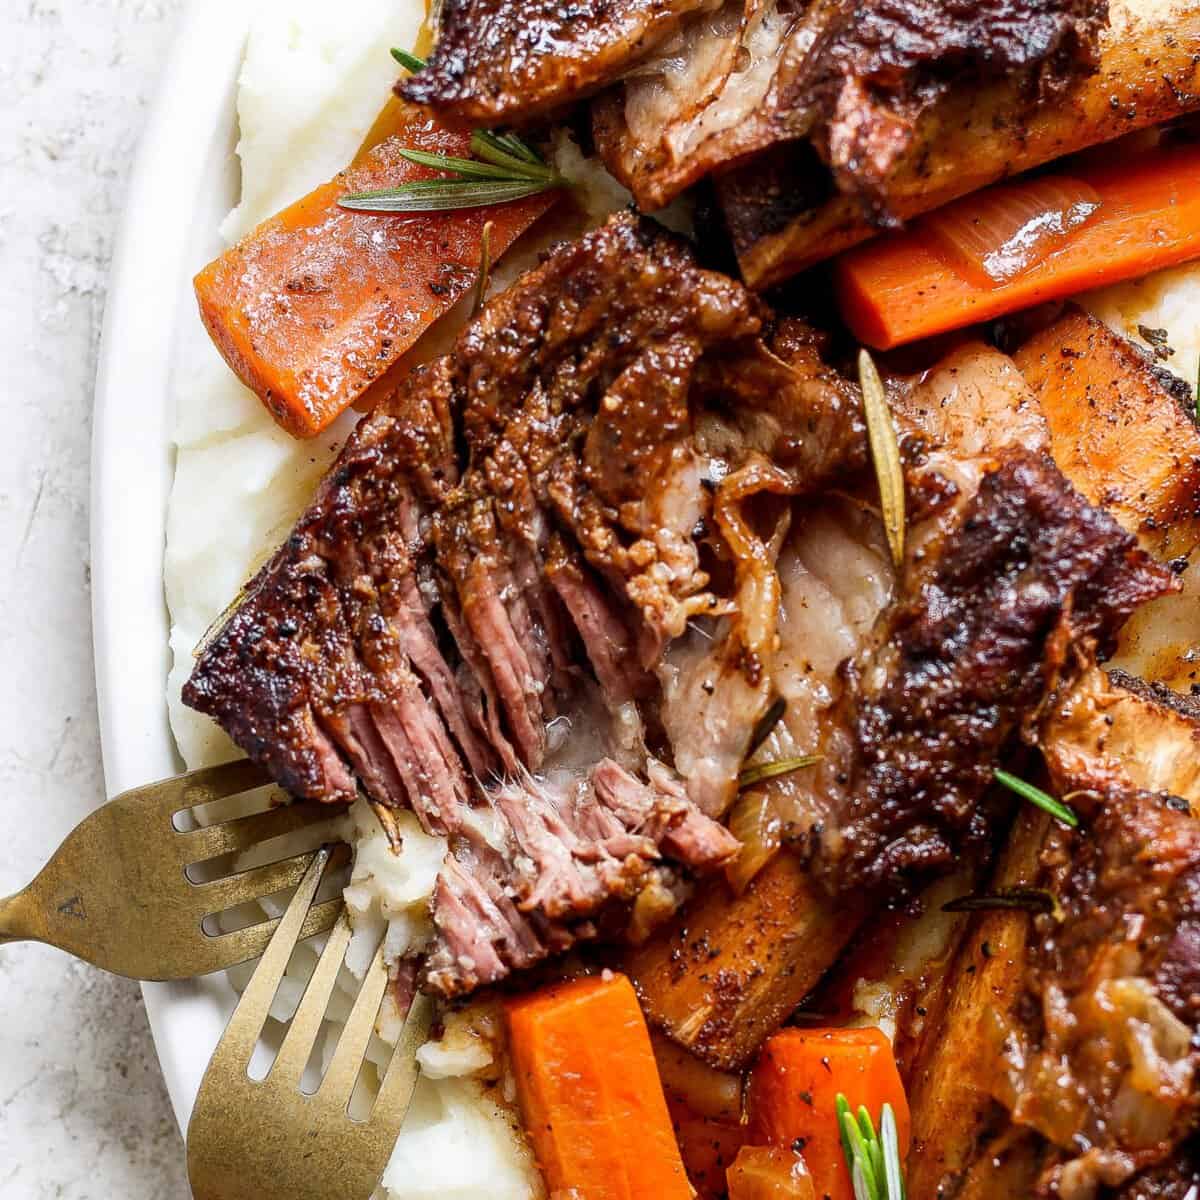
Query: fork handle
point(17, 922)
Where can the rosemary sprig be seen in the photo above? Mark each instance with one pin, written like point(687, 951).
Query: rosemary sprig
point(504, 168)
point(751, 776)
point(885, 453)
point(766, 724)
point(1035, 795)
point(513, 144)
point(499, 152)
point(440, 195)
point(873, 1158)
point(485, 266)
point(410, 62)
point(470, 168)
point(1033, 900)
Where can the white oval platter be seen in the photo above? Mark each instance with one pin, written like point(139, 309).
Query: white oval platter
point(184, 182)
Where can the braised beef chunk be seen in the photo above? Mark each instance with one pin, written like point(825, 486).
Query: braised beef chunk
point(1101, 1056)
point(1040, 1011)
point(849, 79)
point(511, 59)
point(895, 58)
point(998, 616)
point(499, 558)
point(1178, 1179)
point(526, 879)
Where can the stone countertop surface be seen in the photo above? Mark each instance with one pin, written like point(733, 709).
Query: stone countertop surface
point(83, 1111)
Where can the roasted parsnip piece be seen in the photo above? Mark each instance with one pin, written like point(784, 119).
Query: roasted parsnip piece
point(950, 1086)
point(726, 974)
point(1119, 430)
point(1149, 72)
point(1119, 726)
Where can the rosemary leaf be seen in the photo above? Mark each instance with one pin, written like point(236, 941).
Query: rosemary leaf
point(861, 1173)
point(842, 1106)
point(871, 1141)
point(470, 168)
point(872, 1158)
point(510, 144)
point(752, 776)
point(440, 195)
point(863, 1189)
point(485, 265)
point(885, 453)
point(410, 62)
point(488, 147)
point(515, 146)
point(1035, 795)
point(766, 724)
point(1032, 900)
point(893, 1172)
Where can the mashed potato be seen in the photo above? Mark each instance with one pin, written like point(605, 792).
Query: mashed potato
point(313, 81)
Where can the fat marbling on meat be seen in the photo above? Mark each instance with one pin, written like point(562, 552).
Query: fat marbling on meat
point(848, 79)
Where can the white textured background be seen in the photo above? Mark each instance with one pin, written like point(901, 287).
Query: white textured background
point(83, 1113)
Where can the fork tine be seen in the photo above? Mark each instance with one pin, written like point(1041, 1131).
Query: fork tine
point(241, 1034)
point(395, 1093)
point(306, 1024)
point(197, 845)
point(229, 949)
point(352, 1045)
point(230, 890)
point(206, 785)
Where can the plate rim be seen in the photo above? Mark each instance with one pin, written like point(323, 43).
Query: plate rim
point(132, 464)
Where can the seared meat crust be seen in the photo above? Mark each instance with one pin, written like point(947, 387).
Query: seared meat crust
point(284, 669)
point(506, 60)
point(895, 58)
point(1025, 587)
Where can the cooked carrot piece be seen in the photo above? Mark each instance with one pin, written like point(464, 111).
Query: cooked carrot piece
point(318, 302)
point(1144, 214)
point(590, 1093)
point(794, 1089)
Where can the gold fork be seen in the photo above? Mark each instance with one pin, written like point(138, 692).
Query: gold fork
point(117, 892)
point(268, 1138)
